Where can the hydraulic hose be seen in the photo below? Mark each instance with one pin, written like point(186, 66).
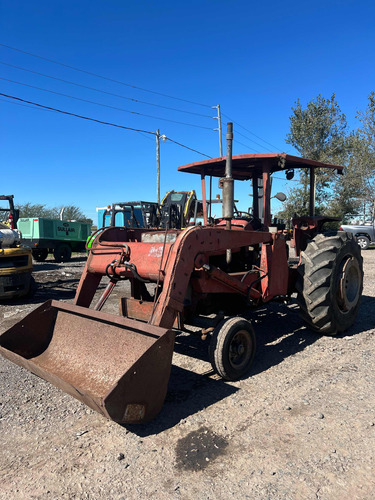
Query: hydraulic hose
point(115, 276)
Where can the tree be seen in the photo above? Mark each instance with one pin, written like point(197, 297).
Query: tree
point(356, 191)
point(71, 212)
point(317, 132)
point(347, 192)
point(364, 150)
point(36, 210)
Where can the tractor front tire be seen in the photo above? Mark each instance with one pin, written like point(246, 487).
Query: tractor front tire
point(232, 348)
point(330, 282)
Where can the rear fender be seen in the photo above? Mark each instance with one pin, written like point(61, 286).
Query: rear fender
point(306, 228)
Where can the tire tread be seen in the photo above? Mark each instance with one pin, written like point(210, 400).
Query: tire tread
point(314, 281)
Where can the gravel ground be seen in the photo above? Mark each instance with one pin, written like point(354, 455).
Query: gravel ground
point(302, 426)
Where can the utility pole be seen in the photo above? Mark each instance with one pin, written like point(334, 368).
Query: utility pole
point(218, 118)
point(158, 166)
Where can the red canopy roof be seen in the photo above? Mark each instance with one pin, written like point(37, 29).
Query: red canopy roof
point(247, 166)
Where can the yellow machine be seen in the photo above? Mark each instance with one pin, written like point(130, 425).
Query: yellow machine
point(15, 259)
point(15, 272)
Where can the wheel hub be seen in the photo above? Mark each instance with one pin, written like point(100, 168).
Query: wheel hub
point(240, 351)
point(362, 243)
point(349, 284)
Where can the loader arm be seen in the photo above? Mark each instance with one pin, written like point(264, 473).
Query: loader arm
point(189, 252)
point(172, 262)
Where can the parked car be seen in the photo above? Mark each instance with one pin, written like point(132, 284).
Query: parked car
point(364, 233)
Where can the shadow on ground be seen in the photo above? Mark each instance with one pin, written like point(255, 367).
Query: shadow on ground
point(270, 324)
point(366, 317)
point(188, 393)
point(280, 334)
point(44, 266)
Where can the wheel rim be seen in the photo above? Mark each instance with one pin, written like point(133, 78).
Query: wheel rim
point(349, 284)
point(240, 349)
point(362, 243)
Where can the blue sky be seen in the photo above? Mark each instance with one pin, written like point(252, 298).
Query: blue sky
point(254, 59)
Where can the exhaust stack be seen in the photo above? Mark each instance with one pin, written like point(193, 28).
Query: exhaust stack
point(228, 186)
point(227, 181)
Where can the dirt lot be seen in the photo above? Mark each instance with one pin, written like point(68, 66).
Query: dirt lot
point(302, 426)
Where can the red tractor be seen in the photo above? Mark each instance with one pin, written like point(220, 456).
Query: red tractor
point(120, 365)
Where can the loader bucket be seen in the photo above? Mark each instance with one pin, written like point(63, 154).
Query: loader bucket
point(117, 366)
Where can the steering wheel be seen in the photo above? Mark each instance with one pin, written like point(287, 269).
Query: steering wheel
point(242, 215)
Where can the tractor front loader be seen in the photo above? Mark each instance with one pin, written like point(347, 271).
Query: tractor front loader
point(120, 365)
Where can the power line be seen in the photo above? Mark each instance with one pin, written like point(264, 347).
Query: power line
point(252, 133)
point(104, 77)
point(47, 108)
point(257, 143)
point(76, 115)
point(146, 136)
point(186, 147)
point(51, 111)
point(247, 147)
point(104, 105)
point(134, 87)
point(102, 91)
point(98, 121)
point(25, 105)
point(286, 180)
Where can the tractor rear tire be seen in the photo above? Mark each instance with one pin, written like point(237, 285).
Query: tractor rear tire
point(232, 348)
point(330, 282)
point(62, 253)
